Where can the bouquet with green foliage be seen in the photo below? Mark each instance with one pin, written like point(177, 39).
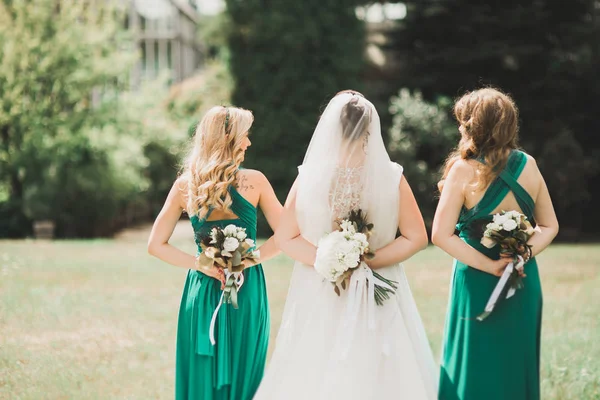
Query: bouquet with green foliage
point(343, 252)
point(511, 231)
point(227, 248)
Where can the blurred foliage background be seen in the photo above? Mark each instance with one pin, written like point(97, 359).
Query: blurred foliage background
point(87, 145)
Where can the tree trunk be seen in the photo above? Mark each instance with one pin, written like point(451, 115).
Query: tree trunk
point(16, 186)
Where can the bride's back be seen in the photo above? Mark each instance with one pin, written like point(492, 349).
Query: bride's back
point(347, 168)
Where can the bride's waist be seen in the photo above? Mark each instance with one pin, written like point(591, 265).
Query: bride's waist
point(390, 269)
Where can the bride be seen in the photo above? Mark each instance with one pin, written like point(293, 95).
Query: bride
point(346, 347)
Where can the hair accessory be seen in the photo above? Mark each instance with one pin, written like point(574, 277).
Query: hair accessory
point(226, 119)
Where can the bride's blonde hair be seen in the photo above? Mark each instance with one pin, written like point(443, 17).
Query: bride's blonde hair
point(212, 164)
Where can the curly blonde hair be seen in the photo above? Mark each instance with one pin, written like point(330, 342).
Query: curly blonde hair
point(212, 164)
point(488, 123)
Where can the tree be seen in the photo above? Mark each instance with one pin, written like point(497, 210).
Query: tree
point(55, 55)
point(74, 148)
point(288, 59)
point(544, 53)
point(420, 137)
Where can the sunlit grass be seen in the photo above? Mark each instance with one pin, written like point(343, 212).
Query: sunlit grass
point(97, 319)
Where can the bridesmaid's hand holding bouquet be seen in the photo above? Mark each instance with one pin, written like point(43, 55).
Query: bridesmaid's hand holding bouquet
point(510, 230)
point(231, 251)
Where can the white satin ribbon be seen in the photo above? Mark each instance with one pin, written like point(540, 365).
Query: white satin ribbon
point(239, 281)
point(502, 283)
point(363, 275)
point(511, 292)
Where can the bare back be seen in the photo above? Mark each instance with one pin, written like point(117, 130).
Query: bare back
point(530, 179)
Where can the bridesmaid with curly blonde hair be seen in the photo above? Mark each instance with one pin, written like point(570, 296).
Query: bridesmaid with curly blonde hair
point(215, 192)
point(498, 358)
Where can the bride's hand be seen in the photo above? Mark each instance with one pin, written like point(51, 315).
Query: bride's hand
point(497, 267)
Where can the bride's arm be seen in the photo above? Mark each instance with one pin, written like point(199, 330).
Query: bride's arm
point(412, 228)
point(451, 201)
point(287, 236)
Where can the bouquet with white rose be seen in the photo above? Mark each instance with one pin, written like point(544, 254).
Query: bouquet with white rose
point(344, 251)
point(227, 248)
point(510, 230)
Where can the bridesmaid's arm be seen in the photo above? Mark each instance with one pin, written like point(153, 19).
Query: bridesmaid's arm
point(288, 237)
point(545, 217)
point(272, 208)
point(448, 211)
point(413, 233)
point(158, 243)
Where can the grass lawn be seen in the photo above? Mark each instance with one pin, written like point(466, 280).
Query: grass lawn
point(97, 319)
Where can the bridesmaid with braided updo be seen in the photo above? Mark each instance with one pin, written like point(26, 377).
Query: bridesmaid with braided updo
point(216, 192)
point(497, 358)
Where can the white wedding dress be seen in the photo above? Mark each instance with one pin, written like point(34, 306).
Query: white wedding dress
point(344, 347)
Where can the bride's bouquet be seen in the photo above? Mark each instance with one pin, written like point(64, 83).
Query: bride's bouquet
point(227, 248)
point(343, 252)
point(510, 230)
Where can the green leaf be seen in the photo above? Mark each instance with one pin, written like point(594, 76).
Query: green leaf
point(236, 258)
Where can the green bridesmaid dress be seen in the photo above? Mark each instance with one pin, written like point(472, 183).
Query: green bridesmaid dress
point(498, 358)
point(233, 368)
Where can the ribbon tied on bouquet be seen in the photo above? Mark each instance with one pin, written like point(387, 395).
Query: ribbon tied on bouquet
point(501, 287)
point(362, 278)
point(233, 283)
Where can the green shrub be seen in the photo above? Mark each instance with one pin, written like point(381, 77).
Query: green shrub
point(421, 137)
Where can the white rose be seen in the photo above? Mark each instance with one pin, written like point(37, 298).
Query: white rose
point(350, 260)
point(345, 225)
point(361, 237)
point(509, 225)
point(493, 226)
point(500, 219)
point(230, 230)
point(213, 236)
point(230, 244)
point(241, 235)
point(328, 262)
point(256, 254)
point(249, 242)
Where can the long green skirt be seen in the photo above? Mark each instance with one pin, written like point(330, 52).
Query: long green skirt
point(233, 368)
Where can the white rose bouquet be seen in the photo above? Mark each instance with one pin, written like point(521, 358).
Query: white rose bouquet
point(342, 252)
point(227, 249)
point(510, 230)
